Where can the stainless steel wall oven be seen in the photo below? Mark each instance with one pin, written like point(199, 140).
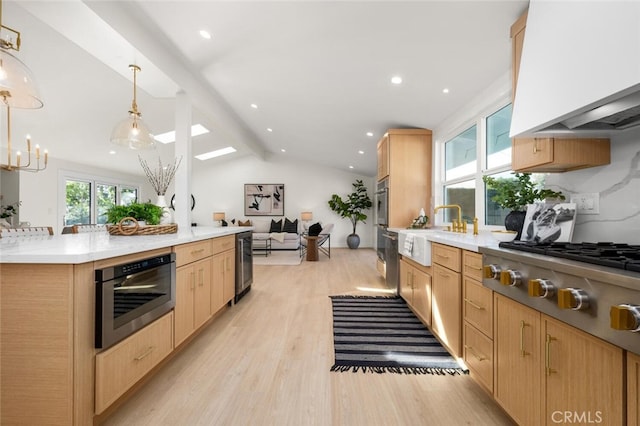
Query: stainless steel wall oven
point(132, 295)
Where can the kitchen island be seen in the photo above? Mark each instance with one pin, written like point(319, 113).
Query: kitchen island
point(48, 358)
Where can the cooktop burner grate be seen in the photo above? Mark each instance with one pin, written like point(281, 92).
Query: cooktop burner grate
point(614, 255)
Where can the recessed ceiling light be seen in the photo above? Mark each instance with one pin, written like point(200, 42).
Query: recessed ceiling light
point(269, 129)
point(361, 152)
point(369, 133)
point(445, 90)
point(351, 167)
point(168, 137)
point(112, 152)
point(216, 153)
point(254, 106)
point(283, 150)
point(396, 79)
point(205, 34)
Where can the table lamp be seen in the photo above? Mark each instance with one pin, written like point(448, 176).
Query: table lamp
point(306, 217)
point(218, 217)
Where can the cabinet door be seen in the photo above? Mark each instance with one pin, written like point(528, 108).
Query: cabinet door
point(217, 282)
point(422, 295)
point(633, 389)
point(517, 354)
point(229, 286)
point(477, 306)
point(531, 152)
point(202, 301)
point(406, 277)
point(185, 289)
point(383, 157)
point(446, 312)
point(583, 376)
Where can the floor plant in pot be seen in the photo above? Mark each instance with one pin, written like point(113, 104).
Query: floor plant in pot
point(514, 194)
point(353, 207)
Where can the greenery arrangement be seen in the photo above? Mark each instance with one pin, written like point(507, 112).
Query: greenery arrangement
point(354, 205)
point(160, 177)
point(147, 212)
point(515, 193)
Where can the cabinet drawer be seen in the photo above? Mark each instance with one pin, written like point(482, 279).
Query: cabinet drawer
point(221, 244)
point(446, 256)
point(472, 265)
point(477, 307)
point(187, 253)
point(121, 366)
point(478, 355)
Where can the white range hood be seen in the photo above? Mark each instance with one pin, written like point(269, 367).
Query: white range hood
point(580, 69)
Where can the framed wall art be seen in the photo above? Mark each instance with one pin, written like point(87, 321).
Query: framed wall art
point(263, 199)
point(547, 223)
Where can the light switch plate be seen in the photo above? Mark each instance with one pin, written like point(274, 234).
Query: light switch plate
point(587, 203)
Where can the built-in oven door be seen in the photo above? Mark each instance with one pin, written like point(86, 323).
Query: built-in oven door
point(381, 242)
point(382, 203)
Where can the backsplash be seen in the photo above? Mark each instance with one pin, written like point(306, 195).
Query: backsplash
point(618, 185)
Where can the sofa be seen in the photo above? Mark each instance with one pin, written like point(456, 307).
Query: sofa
point(285, 234)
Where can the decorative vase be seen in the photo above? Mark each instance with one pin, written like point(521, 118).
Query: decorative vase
point(353, 241)
point(167, 217)
point(514, 221)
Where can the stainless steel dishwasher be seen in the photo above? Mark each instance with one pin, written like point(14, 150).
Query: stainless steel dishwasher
point(392, 259)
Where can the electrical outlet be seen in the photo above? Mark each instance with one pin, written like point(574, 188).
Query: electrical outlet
point(587, 203)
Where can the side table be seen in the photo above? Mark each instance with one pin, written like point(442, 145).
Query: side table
point(312, 248)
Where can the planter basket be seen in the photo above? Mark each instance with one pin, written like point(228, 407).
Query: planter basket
point(136, 229)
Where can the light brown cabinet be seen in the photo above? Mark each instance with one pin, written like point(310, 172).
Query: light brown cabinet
point(223, 289)
point(477, 314)
point(550, 154)
point(415, 288)
point(193, 288)
point(446, 296)
point(545, 369)
point(633, 389)
point(121, 366)
point(404, 156)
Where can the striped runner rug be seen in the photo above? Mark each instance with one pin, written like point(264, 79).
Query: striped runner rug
point(381, 334)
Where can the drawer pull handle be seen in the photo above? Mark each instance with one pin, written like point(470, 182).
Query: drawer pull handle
point(200, 277)
point(193, 280)
point(523, 353)
point(473, 352)
point(477, 268)
point(442, 256)
point(144, 354)
point(475, 305)
point(547, 356)
point(197, 251)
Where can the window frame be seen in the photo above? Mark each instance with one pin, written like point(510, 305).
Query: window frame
point(473, 115)
point(93, 180)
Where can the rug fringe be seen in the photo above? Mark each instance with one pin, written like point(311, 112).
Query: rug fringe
point(356, 296)
point(399, 370)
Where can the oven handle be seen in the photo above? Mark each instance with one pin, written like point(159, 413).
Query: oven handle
point(392, 238)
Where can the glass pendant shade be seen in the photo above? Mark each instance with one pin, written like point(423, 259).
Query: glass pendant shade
point(17, 86)
point(133, 133)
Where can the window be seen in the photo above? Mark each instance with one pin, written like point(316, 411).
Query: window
point(482, 148)
point(87, 200)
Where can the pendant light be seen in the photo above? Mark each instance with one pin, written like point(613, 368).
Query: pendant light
point(132, 132)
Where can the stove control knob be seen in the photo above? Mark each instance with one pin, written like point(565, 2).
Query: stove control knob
point(542, 288)
point(492, 271)
point(511, 278)
point(625, 317)
point(573, 298)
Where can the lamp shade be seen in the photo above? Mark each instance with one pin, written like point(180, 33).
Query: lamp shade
point(306, 216)
point(17, 87)
point(218, 216)
point(133, 133)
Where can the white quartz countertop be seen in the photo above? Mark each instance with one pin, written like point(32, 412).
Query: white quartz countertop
point(466, 241)
point(90, 246)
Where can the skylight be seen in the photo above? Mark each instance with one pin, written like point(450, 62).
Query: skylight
point(216, 153)
point(169, 137)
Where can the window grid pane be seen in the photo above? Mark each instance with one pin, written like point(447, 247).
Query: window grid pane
point(497, 138)
point(106, 198)
point(494, 215)
point(464, 195)
point(460, 155)
point(78, 202)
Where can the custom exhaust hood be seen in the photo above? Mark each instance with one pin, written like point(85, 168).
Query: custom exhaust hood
point(580, 69)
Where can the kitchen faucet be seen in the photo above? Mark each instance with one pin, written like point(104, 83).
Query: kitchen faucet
point(456, 225)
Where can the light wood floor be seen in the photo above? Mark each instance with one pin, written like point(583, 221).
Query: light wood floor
point(266, 361)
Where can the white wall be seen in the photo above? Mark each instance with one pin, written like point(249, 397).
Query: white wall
point(618, 186)
point(307, 188)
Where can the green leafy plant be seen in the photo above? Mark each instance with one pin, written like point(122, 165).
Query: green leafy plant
point(354, 205)
point(148, 212)
point(515, 193)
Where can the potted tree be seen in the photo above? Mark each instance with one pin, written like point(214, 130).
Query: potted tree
point(515, 194)
point(353, 207)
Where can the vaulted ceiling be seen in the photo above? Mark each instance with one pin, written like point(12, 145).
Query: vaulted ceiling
point(317, 72)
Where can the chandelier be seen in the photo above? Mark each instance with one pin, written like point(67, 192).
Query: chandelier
point(132, 132)
point(17, 90)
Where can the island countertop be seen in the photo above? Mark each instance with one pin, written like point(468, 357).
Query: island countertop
point(91, 246)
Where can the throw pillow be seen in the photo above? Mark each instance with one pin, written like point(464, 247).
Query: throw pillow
point(245, 223)
point(314, 230)
point(289, 226)
point(276, 226)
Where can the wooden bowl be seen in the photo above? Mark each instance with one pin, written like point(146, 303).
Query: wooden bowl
point(505, 236)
